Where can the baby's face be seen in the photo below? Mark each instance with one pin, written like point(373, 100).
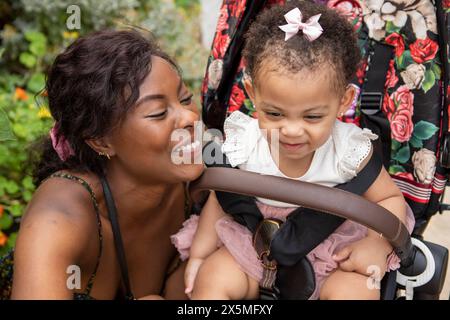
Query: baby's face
point(303, 110)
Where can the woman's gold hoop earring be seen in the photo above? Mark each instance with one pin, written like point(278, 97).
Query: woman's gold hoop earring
point(104, 154)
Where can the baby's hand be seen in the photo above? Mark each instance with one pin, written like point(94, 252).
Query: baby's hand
point(191, 273)
point(363, 255)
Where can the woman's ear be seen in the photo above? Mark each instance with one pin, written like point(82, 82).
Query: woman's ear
point(102, 146)
point(347, 99)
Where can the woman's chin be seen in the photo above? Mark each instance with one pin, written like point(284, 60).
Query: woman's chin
point(191, 172)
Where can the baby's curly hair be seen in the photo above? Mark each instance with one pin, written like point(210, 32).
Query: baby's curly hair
point(336, 47)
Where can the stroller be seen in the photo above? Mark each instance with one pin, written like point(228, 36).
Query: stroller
point(391, 55)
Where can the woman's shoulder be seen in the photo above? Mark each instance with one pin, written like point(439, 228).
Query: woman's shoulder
point(242, 135)
point(63, 202)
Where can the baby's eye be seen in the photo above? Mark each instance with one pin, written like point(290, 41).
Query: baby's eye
point(273, 114)
point(313, 117)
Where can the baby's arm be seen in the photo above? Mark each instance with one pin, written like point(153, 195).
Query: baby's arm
point(205, 239)
point(385, 193)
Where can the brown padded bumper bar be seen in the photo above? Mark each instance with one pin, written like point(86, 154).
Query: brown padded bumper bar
point(331, 200)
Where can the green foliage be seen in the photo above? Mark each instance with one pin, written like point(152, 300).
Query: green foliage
point(33, 33)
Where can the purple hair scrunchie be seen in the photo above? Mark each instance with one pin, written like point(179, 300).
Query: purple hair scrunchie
point(60, 144)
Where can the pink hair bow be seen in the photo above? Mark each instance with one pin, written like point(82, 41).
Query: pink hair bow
point(311, 28)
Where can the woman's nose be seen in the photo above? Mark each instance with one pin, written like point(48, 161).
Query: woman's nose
point(186, 117)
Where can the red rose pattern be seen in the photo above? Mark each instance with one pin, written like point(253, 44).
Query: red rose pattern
point(401, 120)
point(405, 175)
point(391, 77)
point(222, 23)
point(236, 99)
point(350, 9)
point(423, 50)
point(220, 45)
point(396, 40)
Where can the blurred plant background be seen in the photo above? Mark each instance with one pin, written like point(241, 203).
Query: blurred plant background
point(32, 33)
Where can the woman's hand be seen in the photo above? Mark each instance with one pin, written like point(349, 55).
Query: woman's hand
point(190, 274)
point(367, 256)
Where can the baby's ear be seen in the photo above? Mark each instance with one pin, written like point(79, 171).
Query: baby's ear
point(250, 89)
point(347, 99)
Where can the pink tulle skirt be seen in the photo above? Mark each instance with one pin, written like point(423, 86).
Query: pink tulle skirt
point(238, 240)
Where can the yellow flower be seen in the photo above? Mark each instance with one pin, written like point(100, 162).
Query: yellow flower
point(70, 34)
point(44, 113)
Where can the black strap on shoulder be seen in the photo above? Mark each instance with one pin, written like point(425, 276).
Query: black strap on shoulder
point(112, 213)
point(304, 228)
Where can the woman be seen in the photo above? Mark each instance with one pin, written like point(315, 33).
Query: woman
point(116, 99)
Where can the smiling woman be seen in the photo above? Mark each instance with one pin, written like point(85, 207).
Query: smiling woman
point(109, 193)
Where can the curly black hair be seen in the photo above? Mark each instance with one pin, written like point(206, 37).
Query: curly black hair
point(91, 87)
point(336, 47)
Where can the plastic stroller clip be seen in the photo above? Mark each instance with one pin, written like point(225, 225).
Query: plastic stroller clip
point(411, 282)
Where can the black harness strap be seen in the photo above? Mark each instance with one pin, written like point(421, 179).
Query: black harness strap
point(372, 94)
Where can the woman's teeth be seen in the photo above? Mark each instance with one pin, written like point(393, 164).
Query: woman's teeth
point(189, 147)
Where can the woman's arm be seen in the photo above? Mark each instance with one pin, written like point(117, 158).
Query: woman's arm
point(48, 243)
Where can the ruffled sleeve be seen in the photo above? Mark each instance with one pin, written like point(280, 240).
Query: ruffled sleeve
point(241, 137)
point(353, 145)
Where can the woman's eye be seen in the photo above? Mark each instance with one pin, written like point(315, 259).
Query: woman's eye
point(187, 101)
point(157, 115)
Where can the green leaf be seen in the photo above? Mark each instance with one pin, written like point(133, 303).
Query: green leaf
point(27, 195)
point(249, 105)
point(391, 28)
point(429, 80)
point(16, 210)
point(436, 70)
point(5, 221)
point(416, 142)
point(395, 145)
point(36, 82)
point(27, 183)
point(402, 155)
point(404, 60)
point(424, 130)
point(11, 240)
point(35, 37)
point(5, 127)
point(396, 168)
point(11, 187)
point(38, 48)
point(27, 59)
